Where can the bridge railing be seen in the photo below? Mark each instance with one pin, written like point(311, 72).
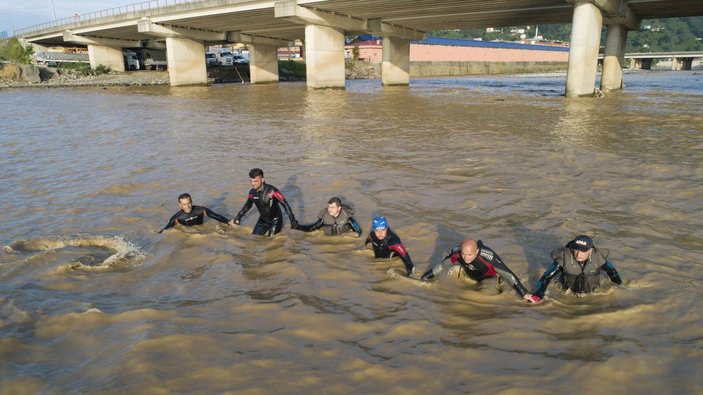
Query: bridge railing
point(77, 18)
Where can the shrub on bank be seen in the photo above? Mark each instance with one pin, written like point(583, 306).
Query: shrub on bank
point(291, 69)
point(11, 50)
point(83, 69)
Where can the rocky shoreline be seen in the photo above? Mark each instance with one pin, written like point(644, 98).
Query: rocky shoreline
point(59, 80)
point(28, 76)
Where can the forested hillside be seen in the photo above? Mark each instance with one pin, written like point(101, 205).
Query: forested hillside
point(655, 35)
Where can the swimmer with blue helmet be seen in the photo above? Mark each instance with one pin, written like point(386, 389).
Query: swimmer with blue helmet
point(387, 244)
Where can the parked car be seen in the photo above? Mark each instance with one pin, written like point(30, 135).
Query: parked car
point(240, 58)
point(211, 59)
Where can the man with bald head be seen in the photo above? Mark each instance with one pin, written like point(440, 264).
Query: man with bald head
point(479, 263)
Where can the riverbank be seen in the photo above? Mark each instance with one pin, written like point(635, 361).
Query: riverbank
point(55, 78)
point(58, 80)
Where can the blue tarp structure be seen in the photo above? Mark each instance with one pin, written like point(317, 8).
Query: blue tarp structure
point(457, 42)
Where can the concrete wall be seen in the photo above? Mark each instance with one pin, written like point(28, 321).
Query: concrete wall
point(447, 53)
point(442, 69)
point(420, 52)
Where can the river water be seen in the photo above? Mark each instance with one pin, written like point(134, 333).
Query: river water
point(94, 300)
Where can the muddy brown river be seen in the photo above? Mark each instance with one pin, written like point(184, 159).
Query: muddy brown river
point(94, 300)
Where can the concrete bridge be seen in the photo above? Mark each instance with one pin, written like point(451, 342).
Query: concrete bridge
point(679, 60)
point(682, 60)
point(187, 27)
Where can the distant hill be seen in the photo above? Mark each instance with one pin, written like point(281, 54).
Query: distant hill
point(655, 35)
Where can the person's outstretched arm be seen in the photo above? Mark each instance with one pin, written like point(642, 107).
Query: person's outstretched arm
point(543, 282)
point(504, 271)
point(612, 273)
point(310, 227)
point(244, 210)
point(355, 226)
point(279, 196)
point(215, 216)
point(400, 249)
point(171, 222)
point(445, 263)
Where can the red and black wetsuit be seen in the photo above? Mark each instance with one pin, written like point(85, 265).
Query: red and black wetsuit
point(389, 247)
point(194, 217)
point(267, 202)
point(487, 264)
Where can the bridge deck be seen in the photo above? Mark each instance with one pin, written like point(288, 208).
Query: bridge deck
point(257, 17)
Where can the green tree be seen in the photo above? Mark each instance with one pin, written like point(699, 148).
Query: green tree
point(13, 51)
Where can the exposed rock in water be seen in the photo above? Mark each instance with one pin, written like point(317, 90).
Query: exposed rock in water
point(30, 73)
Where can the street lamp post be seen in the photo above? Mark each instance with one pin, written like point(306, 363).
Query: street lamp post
point(53, 9)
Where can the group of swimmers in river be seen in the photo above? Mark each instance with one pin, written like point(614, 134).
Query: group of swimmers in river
point(579, 264)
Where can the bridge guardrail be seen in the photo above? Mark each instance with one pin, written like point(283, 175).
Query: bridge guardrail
point(143, 6)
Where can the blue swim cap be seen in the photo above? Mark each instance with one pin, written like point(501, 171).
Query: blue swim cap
point(379, 223)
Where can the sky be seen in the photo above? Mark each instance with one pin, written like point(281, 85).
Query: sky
point(17, 14)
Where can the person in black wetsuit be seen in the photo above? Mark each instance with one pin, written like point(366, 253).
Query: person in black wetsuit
point(387, 244)
point(336, 219)
point(267, 199)
point(190, 215)
point(479, 263)
point(580, 266)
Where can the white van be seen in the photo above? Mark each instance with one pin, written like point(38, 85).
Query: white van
point(224, 57)
point(210, 59)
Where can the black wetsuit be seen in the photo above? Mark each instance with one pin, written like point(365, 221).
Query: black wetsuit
point(389, 247)
point(333, 226)
point(270, 216)
point(194, 217)
point(579, 277)
point(487, 264)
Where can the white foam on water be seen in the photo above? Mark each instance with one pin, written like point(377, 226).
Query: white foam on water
point(123, 250)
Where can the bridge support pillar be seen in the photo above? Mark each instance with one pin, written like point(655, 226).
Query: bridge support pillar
point(686, 63)
point(583, 54)
point(614, 58)
point(186, 61)
point(324, 57)
point(395, 69)
point(110, 57)
point(678, 64)
point(263, 64)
